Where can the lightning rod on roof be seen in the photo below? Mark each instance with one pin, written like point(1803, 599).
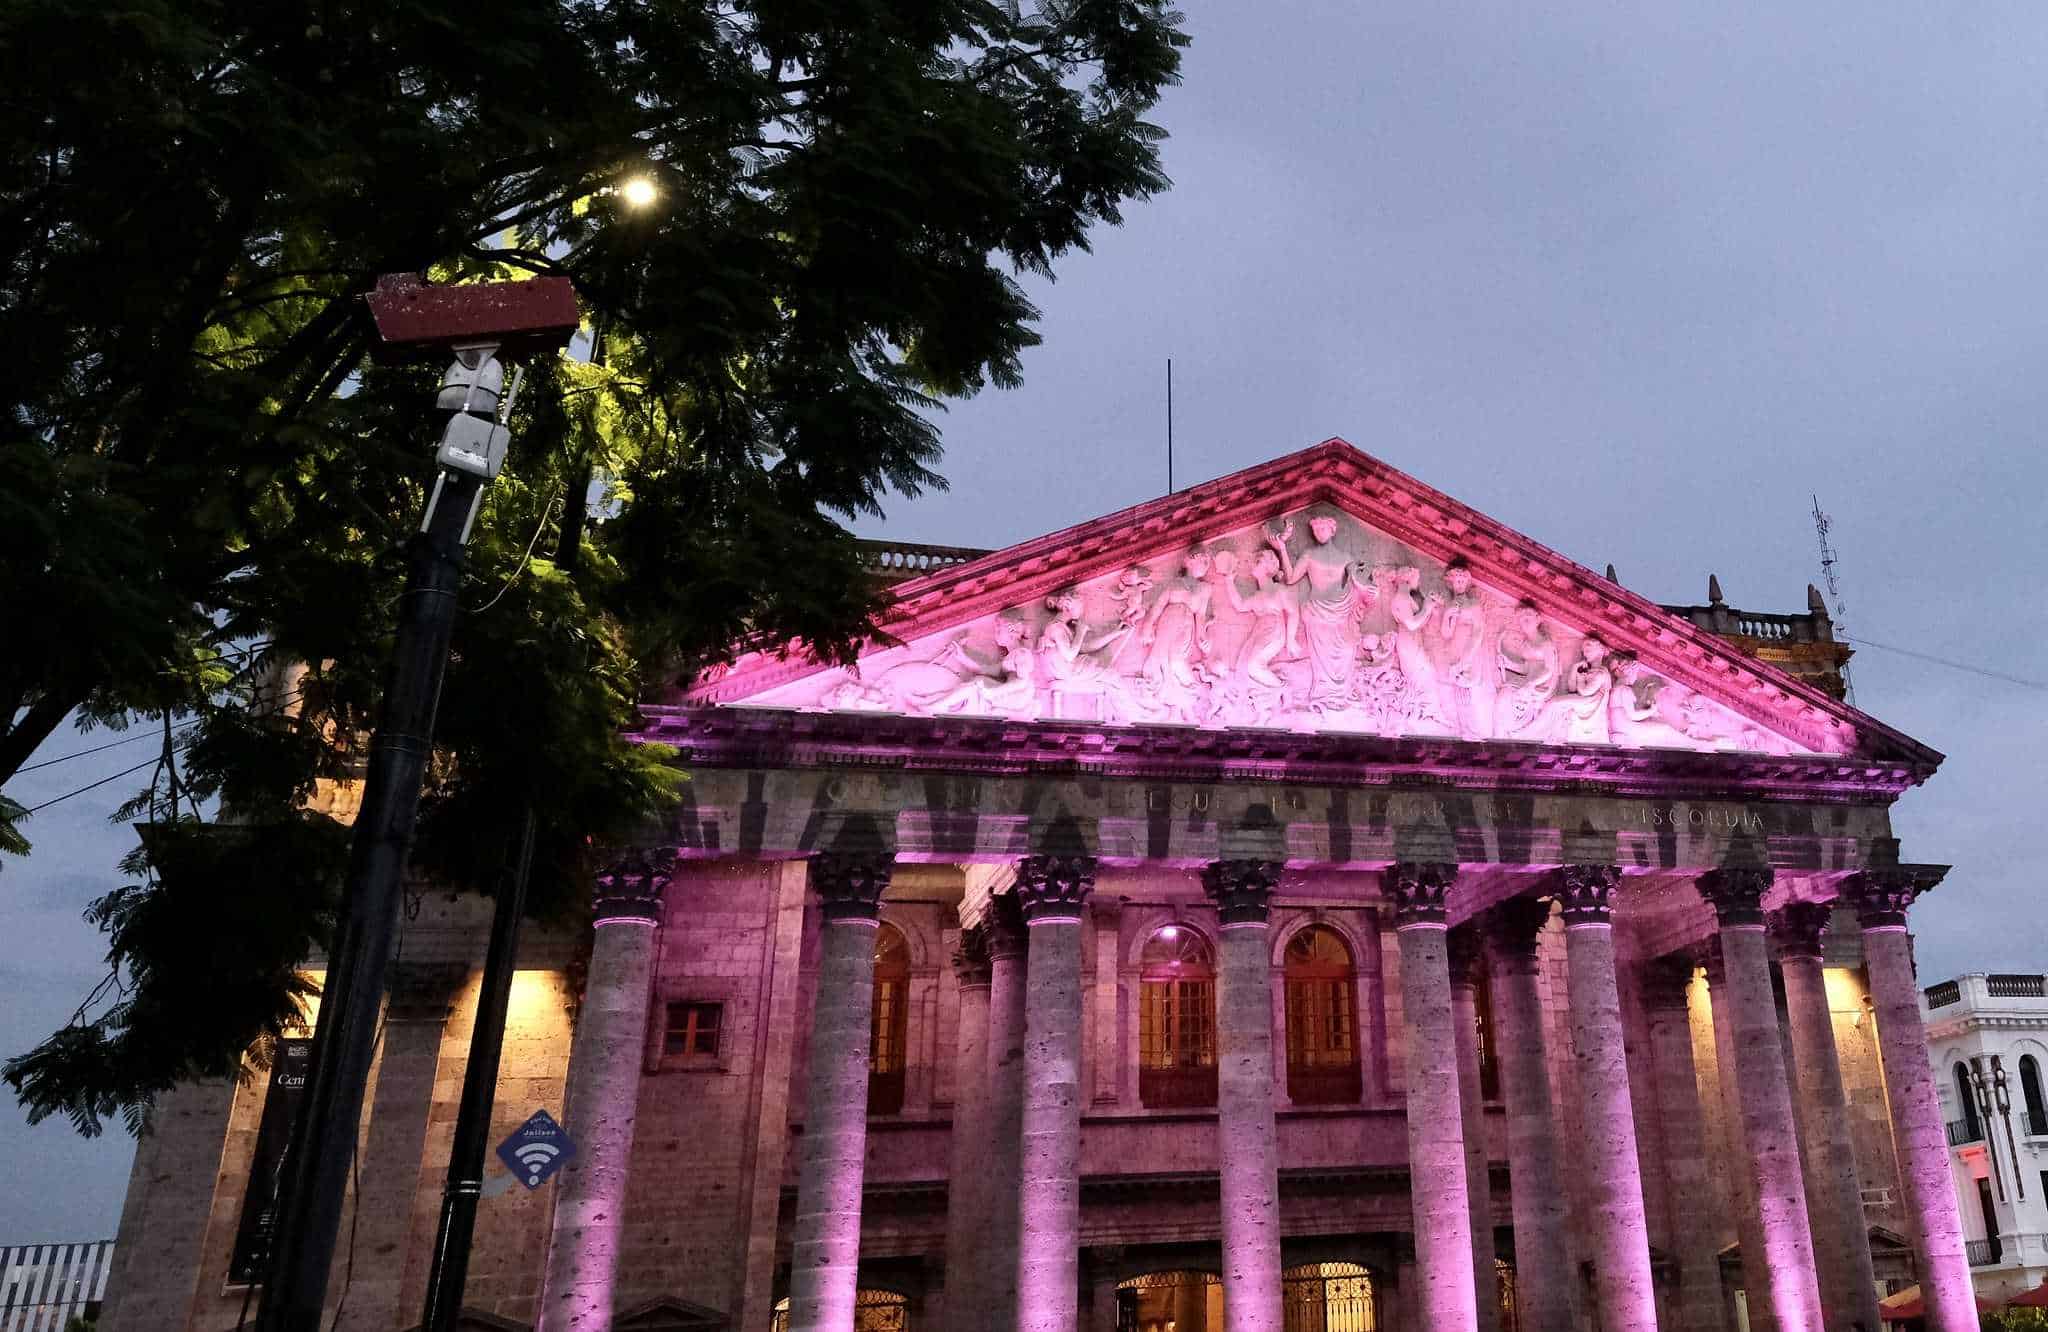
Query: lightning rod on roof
point(1822, 525)
point(1169, 425)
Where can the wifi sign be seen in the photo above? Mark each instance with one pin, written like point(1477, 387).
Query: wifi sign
point(536, 1150)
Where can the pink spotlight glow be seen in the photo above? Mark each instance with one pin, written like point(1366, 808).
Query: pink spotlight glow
point(1170, 932)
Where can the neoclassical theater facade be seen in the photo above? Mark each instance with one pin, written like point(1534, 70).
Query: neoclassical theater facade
point(1297, 903)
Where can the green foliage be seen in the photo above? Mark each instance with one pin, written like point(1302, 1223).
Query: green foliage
point(203, 481)
point(2015, 1320)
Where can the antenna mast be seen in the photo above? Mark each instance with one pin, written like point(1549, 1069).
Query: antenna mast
point(1822, 525)
point(1169, 425)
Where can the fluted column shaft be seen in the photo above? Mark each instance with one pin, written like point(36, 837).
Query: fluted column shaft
point(1002, 1162)
point(602, 1099)
point(1247, 1145)
point(1621, 1233)
point(1465, 961)
point(1881, 898)
point(967, 1201)
point(1769, 1135)
point(1834, 1192)
point(824, 1268)
point(1052, 891)
point(1436, 1133)
point(1543, 1271)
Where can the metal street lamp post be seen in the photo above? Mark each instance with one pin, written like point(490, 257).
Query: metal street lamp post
point(478, 323)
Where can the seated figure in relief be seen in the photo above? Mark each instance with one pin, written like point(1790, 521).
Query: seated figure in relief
point(1529, 668)
point(1578, 714)
point(1633, 717)
point(1078, 664)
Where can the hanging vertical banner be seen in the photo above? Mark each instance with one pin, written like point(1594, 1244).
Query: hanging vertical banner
point(294, 1059)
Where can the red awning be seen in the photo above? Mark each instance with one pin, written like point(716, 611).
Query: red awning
point(1907, 1305)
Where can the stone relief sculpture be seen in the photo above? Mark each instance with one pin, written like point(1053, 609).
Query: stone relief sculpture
point(1176, 639)
point(1329, 610)
point(1528, 661)
point(1470, 678)
point(1351, 631)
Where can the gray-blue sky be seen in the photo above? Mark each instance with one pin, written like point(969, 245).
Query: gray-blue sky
point(1633, 280)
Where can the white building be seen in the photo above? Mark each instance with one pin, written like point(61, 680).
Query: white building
point(1988, 1036)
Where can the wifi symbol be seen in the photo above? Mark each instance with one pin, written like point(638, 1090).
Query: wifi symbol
point(536, 1157)
point(536, 1150)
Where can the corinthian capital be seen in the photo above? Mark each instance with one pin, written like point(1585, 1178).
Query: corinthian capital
point(630, 887)
point(1241, 889)
point(1736, 892)
point(1054, 887)
point(851, 884)
point(1881, 896)
point(1586, 893)
point(1420, 890)
point(1796, 928)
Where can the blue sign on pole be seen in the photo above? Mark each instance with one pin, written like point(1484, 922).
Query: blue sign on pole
point(536, 1150)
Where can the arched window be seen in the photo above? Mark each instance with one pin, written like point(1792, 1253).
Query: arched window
point(1327, 1297)
point(889, 1036)
point(1182, 1301)
point(2030, 1088)
point(1177, 1020)
point(1322, 1025)
point(1972, 1129)
point(873, 1311)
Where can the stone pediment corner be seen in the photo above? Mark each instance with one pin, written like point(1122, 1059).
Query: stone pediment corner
point(1322, 592)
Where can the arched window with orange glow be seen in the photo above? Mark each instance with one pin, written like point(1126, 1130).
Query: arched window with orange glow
point(1177, 1019)
point(888, 1052)
point(1322, 1019)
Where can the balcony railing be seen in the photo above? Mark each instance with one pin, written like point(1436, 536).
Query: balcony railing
point(2016, 987)
point(1984, 1252)
point(894, 561)
point(1944, 994)
point(2037, 1124)
point(1962, 1131)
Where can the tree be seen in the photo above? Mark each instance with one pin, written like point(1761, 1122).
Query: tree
point(203, 481)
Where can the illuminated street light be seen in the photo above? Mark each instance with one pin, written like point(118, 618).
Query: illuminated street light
point(639, 192)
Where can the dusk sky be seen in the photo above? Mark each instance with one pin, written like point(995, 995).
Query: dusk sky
point(1636, 281)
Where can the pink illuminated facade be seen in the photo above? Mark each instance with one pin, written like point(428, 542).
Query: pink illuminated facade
point(1297, 904)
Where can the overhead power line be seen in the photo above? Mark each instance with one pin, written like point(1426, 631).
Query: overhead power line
point(2022, 681)
point(101, 749)
point(58, 800)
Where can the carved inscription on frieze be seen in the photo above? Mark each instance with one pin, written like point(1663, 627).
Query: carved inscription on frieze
point(1317, 623)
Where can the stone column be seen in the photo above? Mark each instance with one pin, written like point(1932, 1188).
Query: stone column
point(416, 1008)
point(1620, 1238)
point(1247, 1144)
point(1834, 1190)
point(1770, 1137)
point(967, 1201)
point(1002, 1164)
point(1689, 1176)
point(1051, 890)
point(1543, 1271)
point(1465, 962)
point(603, 1095)
point(824, 1266)
point(1436, 1131)
point(1881, 897)
point(1740, 1184)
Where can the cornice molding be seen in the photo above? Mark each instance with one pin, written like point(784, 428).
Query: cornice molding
point(733, 737)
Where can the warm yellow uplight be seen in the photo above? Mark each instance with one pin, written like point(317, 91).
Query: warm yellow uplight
point(638, 192)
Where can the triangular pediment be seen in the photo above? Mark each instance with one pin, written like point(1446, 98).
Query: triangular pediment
point(1321, 592)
